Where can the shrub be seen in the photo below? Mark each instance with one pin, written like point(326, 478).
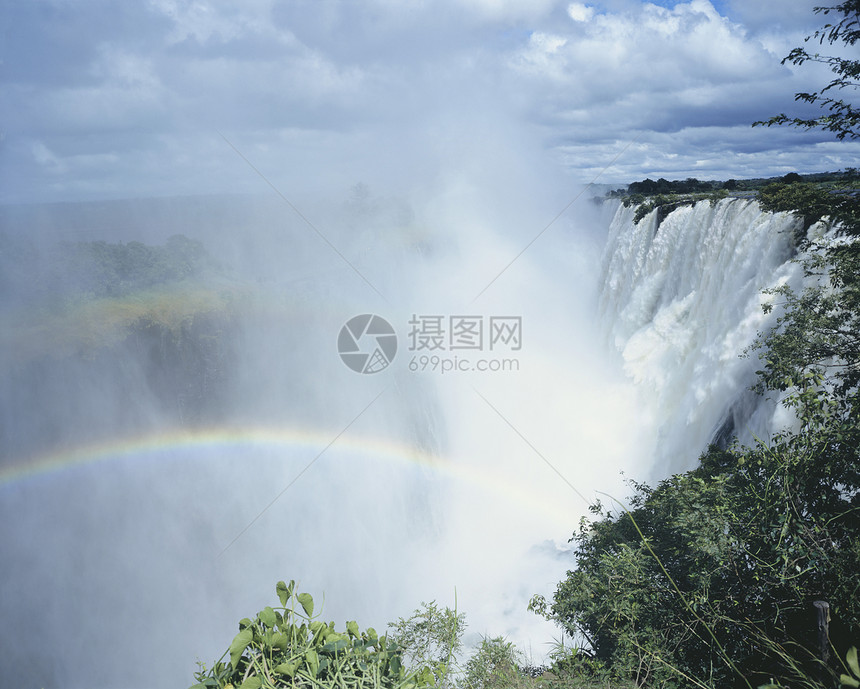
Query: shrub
point(287, 646)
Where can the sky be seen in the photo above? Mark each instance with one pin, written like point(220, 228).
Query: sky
point(103, 100)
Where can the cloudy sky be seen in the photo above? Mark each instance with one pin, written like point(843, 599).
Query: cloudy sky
point(102, 99)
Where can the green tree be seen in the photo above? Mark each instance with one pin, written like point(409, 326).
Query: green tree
point(843, 116)
point(431, 637)
point(817, 333)
point(495, 664)
point(710, 574)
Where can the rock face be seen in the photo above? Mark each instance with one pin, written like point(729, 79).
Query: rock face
point(154, 375)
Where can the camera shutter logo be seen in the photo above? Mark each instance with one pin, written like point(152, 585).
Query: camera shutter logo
point(367, 343)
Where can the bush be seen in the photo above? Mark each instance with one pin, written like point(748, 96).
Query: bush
point(495, 664)
point(287, 646)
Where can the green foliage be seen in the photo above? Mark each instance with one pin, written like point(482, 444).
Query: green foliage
point(632, 200)
point(691, 185)
point(495, 663)
point(668, 202)
point(645, 208)
point(712, 570)
point(431, 638)
point(573, 666)
point(71, 272)
point(842, 116)
point(431, 641)
point(852, 666)
point(811, 202)
point(102, 269)
point(287, 646)
point(813, 352)
point(844, 180)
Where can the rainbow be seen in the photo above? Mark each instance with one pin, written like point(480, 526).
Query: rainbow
point(301, 447)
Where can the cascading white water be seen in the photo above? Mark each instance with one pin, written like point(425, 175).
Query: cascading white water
point(681, 300)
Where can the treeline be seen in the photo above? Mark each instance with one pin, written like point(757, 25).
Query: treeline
point(102, 269)
point(691, 185)
point(850, 178)
point(94, 269)
point(792, 190)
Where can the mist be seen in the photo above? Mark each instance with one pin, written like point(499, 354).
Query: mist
point(164, 468)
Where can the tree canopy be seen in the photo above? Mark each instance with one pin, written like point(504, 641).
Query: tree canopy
point(842, 116)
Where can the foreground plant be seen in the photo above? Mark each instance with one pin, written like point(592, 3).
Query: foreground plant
point(288, 646)
point(432, 638)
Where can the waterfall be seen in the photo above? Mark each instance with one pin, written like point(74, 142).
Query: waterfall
point(681, 299)
point(159, 475)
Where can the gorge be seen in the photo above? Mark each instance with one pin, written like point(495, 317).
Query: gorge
point(171, 452)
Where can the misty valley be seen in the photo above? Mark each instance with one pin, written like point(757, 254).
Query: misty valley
point(178, 433)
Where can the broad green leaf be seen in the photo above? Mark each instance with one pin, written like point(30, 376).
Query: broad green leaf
point(307, 603)
point(395, 665)
point(281, 641)
point(245, 622)
point(847, 681)
point(267, 617)
point(254, 682)
point(283, 593)
point(851, 659)
point(330, 635)
point(240, 643)
point(352, 629)
point(335, 646)
point(313, 662)
point(288, 669)
point(268, 637)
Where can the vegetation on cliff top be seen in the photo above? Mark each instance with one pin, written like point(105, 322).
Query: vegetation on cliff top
point(788, 192)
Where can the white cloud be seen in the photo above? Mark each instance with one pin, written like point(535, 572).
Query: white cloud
point(543, 57)
point(579, 12)
point(120, 68)
point(652, 67)
point(507, 10)
point(204, 20)
point(390, 81)
point(47, 158)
